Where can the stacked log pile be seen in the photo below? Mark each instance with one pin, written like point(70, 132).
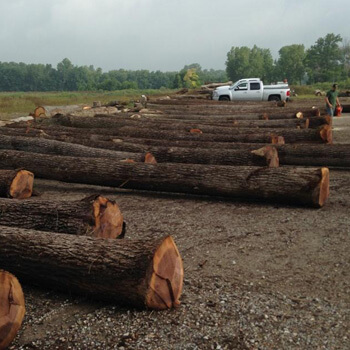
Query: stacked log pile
point(250, 151)
point(199, 148)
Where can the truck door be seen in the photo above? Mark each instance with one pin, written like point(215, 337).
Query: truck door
point(240, 92)
point(256, 91)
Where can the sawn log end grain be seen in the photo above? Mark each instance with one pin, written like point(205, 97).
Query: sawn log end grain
point(166, 281)
point(108, 219)
point(12, 308)
point(321, 191)
point(16, 184)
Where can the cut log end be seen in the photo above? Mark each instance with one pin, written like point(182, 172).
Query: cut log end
point(108, 218)
point(22, 185)
point(277, 140)
point(150, 159)
point(321, 192)
point(196, 131)
point(315, 112)
point(166, 280)
point(326, 133)
point(39, 112)
point(12, 308)
point(329, 120)
point(270, 154)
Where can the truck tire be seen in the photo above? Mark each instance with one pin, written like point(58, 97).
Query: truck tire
point(224, 98)
point(275, 98)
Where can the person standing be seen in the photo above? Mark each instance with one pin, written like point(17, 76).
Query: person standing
point(332, 100)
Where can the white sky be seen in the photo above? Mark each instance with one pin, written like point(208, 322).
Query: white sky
point(160, 34)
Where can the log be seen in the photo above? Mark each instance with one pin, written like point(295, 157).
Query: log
point(336, 155)
point(225, 153)
point(142, 273)
point(295, 185)
point(16, 183)
point(47, 146)
point(269, 156)
point(12, 308)
point(181, 125)
point(94, 216)
point(265, 135)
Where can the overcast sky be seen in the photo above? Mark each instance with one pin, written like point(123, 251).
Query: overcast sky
point(160, 34)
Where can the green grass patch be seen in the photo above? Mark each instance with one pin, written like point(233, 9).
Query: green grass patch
point(22, 103)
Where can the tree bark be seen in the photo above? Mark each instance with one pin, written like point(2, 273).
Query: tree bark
point(322, 134)
point(12, 308)
point(298, 185)
point(180, 125)
point(142, 273)
point(16, 183)
point(47, 146)
point(94, 216)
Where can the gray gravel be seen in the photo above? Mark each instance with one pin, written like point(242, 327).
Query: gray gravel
point(257, 276)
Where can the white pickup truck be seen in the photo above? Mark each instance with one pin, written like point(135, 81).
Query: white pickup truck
point(252, 90)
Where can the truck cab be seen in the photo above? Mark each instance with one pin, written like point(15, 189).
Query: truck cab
point(251, 89)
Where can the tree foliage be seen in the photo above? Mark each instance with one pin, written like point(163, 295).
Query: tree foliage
point(323, 60)
point(243, 62)
point(290, 64)
point(68, 77)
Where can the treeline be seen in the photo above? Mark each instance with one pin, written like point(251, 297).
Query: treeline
point(68, 77)
point(328, 60)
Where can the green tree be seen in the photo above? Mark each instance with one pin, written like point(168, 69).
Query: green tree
point(243, 62)
point(191, 79)
point(345, 52)
point(323, 60)
point(237, 63)
point(290, 64)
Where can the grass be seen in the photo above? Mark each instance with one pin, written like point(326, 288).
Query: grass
point(22, 103)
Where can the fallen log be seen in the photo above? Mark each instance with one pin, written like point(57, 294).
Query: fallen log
point(267, 157)
point(16, 183)
point(94, 216)
point(12, 308)
point(47, 146)
point(336, 155)
point(182, 125)
point(142, 273)
point(297, 185)
point(225, 153)
point(264, 135)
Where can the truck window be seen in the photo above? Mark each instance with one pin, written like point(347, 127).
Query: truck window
point(254, 86)
point(242, 86)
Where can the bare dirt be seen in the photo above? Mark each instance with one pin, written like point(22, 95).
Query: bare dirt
point(257, 276)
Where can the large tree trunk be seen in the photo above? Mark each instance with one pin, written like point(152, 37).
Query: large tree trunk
point(336, 155)
point(180, 125)
point(93, 216)
point(265, 135)
point(145, 272)
point(12, 308)
point(214, 152)
point(41, 145)
point(299, 185)
point(16, 183)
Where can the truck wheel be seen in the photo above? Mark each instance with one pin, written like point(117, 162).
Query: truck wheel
point(224, 98)
point(275, 98)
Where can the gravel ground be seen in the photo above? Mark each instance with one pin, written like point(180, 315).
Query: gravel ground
point(257, 276)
